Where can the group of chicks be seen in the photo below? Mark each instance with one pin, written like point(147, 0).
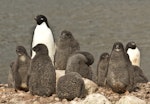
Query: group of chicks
point(37, 73)
point(121, 70)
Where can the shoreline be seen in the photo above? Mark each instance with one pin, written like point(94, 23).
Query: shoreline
point(9, 96)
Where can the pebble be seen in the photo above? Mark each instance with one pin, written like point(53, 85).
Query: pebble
point(36, 102)
point(9, 96)
point(130, 100)
point(57, 99)
point(95, 99)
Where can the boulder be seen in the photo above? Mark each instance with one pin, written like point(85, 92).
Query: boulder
point(95, 99)
point(90, 86)
point(128, 99)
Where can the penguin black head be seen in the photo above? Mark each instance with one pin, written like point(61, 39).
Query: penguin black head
point(131, 45)
point(40, 49)
point(118, 46)
point(104, 56)
point(20, 50)
point(66, 35)
point(40, 19)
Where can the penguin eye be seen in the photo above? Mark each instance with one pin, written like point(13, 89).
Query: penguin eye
point(42, 19)
point(68, 35)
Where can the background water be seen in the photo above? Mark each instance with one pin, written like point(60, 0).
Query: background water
point(96, 24)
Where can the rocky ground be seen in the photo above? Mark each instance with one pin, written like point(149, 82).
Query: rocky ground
point(10, 96)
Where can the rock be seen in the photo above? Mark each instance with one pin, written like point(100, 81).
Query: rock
point(59, 73)
point(36, 102)
point(64, 101)
point(3, 101)
point(90, 86)
point(16, 99)
point(57, 99)
point(74, 102)
point(57, 103)
point(130, 100)
point(23, 102)
point(95, 99)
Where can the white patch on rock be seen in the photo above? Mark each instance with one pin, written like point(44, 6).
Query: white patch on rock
point(59, 73)
point(95, 99)
point(130, 100)
point(90, 86)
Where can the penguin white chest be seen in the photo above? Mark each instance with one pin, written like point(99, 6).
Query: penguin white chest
point(43, 35)
point(134, 56)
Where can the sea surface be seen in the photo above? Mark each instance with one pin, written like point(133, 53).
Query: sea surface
point(96, 24)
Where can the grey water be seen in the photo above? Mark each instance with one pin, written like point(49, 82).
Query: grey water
point(96, 24)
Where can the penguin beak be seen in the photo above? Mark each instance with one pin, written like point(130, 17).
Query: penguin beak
point(35, 18)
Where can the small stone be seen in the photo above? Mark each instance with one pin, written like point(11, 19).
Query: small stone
point(96, 99)
point(130, 100)
point(57, 103)
point(36, 102)
point(74, 102)
point(16, 99)
point(57, 99)
point(3, 101)
point(54, 95)
point(64, 101)
point(76, 99)
point(51, 99)
point(4, 96)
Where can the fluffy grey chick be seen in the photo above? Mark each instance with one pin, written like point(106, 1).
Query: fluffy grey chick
point(19, 70)
point(71, 86)
point(42, 76)
point(139, 76)
point(66, 45)
point(80, 62)
point(120, 74)
point(102, 68)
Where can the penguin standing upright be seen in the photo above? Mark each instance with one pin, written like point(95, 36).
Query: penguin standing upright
point(66, 45)
point(41, 75)
point(43, 35)
point(133, 52)
point(17, 77)
point(120, 74)
point(102, 68)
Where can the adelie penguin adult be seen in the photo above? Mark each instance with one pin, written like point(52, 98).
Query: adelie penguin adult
point(42, 76)
point(80, 62)
point(102, 68)
point(120, 74)
point(19, 70)
point(43, 35)
point(70, 86)
point(66, 45)
point(133, 52)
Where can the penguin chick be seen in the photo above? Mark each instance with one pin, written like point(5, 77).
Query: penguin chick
point(80, 62)
point(42, 76)
point(139, 76)
point(102, 68)
point(19, 69)
point(66, 45)
point(120, 74)
point(71, 86)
